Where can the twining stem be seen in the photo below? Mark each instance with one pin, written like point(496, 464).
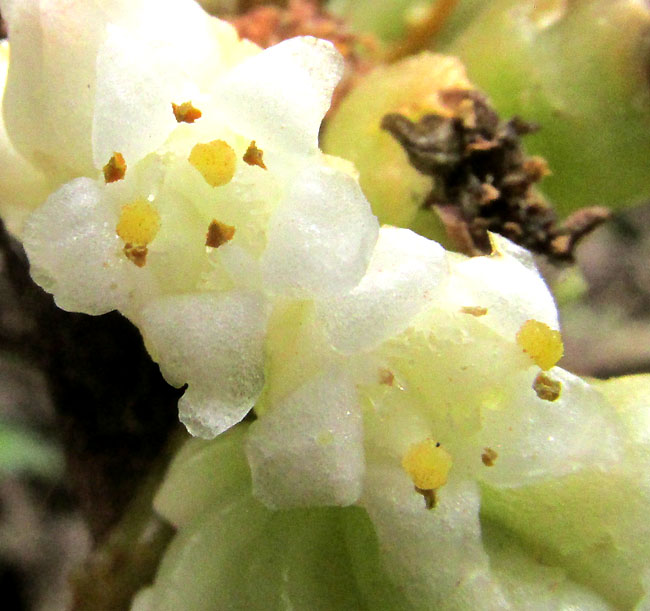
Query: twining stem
point(420, 35)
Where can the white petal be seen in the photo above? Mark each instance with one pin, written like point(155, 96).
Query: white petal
point(203, 46)
point(22, 186)
point(308, 449)
point(401, 279)
point(50, 91)
point(76, 255)
point(279, 97)
point(321, 237)
point(436, 556)
point(52, 85)
point(507, 284)
point(214, 342)
point(167, 52)
point(537, 439)
point(137, 80)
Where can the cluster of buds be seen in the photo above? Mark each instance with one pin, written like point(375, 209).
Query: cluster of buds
point(414, 386)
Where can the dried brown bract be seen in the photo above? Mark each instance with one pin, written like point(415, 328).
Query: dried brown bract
point(483, 179)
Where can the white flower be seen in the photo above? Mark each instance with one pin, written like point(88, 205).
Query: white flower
point(192, 226)
point(436, 403)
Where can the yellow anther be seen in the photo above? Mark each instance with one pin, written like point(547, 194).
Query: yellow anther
point(428, 464)
point(139, 223)
point(215, 160)
point(541, 343)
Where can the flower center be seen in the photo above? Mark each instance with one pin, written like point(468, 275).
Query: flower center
point(216, 161)
point(139, 223)
point(428, 464)
point(541, 343)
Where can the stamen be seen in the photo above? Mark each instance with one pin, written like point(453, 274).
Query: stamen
point(488, 457)
point(386, 377)
point(218, 234)
point(254, 156)
point(474, 310)
point(186, 112)
point(136, 254)
point(546, 387)
point(115, 169)
point(138, 226)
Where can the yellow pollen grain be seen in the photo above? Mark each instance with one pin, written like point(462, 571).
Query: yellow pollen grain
point(541, 343)
point(428, 464)
point(139, 223)
point(216, 161)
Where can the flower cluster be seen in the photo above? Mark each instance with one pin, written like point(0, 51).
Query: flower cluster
point(416, 385)
point(200, 195)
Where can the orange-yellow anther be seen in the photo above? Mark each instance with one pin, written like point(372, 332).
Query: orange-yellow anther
point(543, 344)
point(428, 464)
point(216, 161)
point(139, 223)
point(254, 156)
point(185, 112)
point(115, 169)
point(218, 234)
